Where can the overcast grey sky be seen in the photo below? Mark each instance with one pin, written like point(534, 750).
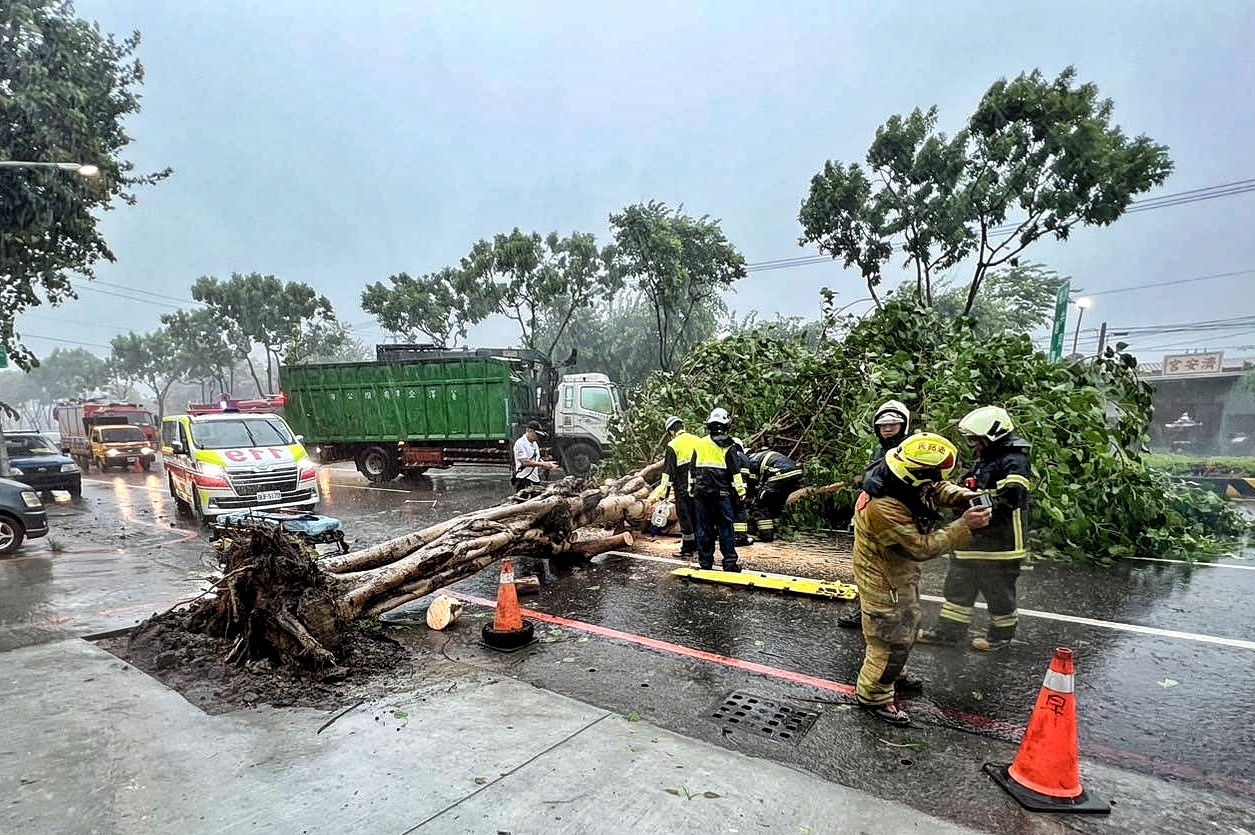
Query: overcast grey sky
point(337, 143)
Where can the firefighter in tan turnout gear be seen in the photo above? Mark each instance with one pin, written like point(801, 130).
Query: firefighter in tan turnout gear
point(990, 566)
point(896, 529)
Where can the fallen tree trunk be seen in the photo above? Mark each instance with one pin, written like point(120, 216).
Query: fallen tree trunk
point(278, 601)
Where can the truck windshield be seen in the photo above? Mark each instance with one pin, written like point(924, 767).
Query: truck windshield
point(120, 434)
point(140, 420)
point(245, 432)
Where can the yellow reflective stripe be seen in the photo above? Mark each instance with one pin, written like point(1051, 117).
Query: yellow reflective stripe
point(785, 476)
point(1006, 620)
point(664, 484)
point(955, 613)
point(766, 524)
point(762, 468)
point(991, 555)
point(1016, 481)
point(1017, 524)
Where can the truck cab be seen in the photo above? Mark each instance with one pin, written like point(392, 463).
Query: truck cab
point(585, 405)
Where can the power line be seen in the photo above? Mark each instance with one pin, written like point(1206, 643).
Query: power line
point(1172, 283)
point(66, 341)
point(1179, 198)
point(130, 298)
point(152, 293)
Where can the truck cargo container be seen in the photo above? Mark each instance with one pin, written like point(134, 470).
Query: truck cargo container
point(418, 407)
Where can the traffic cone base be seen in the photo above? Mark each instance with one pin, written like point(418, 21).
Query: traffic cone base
point(1046, 774)
point(508, 631)
point(1083, 804)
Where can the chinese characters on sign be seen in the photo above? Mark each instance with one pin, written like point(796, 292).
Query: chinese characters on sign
point(1178, 364)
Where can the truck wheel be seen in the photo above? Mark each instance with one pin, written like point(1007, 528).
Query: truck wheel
point(148, 465)
point(378, 465)
point(578, 459)
point(11, 535)
point(76, 490)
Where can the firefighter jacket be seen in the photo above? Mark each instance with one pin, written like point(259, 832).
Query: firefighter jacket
point(716, 468)
point(1003, 472)
point(678, 464)
point(768, 467)
point(895, 530)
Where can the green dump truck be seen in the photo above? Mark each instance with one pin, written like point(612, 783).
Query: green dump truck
point(418, 407)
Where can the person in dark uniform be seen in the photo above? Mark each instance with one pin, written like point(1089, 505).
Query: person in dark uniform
point(677, 475)
point(717, 484)
point(891, 424)
point(772, 477)
point(990, 566)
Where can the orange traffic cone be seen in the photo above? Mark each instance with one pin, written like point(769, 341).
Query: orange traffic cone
point(139, 468)
point(508, 630)
point(1046, 774)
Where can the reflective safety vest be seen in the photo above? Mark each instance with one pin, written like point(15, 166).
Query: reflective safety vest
point(1004, 473)
point(715, 470)
point(678, 464)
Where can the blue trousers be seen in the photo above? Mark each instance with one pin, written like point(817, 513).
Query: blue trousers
point(714, 521)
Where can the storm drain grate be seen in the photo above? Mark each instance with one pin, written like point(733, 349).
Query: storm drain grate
point(742, 711)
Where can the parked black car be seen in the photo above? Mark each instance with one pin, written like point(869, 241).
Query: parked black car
point(33, 461)
point(22, 515)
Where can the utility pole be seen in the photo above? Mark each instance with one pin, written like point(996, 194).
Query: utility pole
point(1102, 340)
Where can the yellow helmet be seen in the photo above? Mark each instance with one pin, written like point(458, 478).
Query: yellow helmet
point(923, 458)
point(989, 423)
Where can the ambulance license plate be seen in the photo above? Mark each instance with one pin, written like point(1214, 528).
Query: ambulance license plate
point(269, 496)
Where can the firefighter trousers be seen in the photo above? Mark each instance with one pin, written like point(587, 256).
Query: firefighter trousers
point(769, 506)
point(890, 623)
point(714, 522)
point(686, 514)
point(995, 581)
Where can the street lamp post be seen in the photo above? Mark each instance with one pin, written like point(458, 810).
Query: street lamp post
point(83, 170)
point(1082, 304)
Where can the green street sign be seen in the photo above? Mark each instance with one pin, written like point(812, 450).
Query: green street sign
point(4, 360)
point(1061, 321)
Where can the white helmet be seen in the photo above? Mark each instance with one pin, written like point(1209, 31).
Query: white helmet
point(990, 423)
point(673, 422)
point(720, 416)
point(737, 442)
point(893, 411)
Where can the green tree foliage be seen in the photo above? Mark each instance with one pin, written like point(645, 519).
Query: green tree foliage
point(681, 265)
point(327, 342)
point(199, 337)
point(150, 359)
point(1037, 157)
point(65, 91)
point(65, 374)
point(529, 279)
point(1016, 299)
point(1094, 497)
point(261, 311)
point(424, 308)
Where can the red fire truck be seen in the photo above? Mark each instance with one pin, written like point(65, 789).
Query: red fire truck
point(76, 419)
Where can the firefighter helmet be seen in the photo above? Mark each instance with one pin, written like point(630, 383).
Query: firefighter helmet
point(893, 411)
point(739, 444)
point(673, 423)
point(720, 416)
point(923, 458)
point(989, 423)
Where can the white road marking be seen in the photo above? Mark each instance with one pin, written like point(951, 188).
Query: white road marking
point(1198, 564)
point(1033, 613)
point(368, 487)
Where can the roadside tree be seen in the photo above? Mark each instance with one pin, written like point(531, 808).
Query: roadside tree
point(67, 90)
point(1037, 158)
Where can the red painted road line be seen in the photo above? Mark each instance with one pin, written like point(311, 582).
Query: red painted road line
point(675, 649)
point(968, 722)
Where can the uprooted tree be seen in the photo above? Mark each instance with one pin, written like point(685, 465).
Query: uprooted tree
point(275, 600)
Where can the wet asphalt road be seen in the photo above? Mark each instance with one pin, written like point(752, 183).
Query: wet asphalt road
point(1175, 703)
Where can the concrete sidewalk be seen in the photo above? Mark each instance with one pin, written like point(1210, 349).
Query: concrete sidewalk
point(93, 745)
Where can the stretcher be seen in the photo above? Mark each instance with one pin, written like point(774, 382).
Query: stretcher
point(785, 583)
point(309, 527)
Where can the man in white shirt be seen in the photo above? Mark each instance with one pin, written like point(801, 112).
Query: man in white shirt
point(527, 460)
